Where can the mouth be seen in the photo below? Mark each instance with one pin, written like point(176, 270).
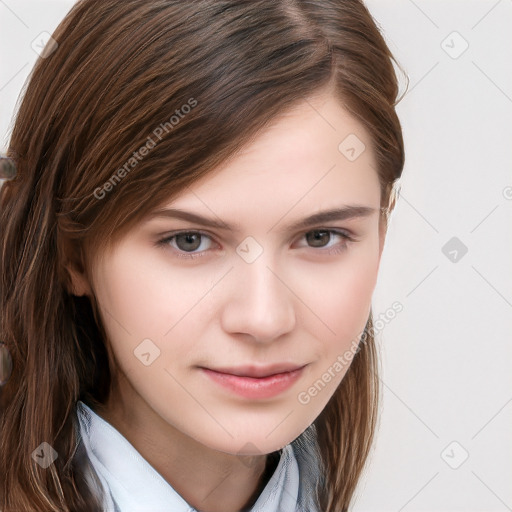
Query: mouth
point(256, 383)
point(258, 372)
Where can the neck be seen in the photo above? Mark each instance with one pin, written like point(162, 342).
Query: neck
point(207, 479)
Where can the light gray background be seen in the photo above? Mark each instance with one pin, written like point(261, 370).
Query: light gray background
point(447, 384)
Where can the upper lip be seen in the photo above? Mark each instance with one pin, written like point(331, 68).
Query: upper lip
point(259, 371)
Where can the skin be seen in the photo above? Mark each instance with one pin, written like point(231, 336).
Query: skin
point(295, 303)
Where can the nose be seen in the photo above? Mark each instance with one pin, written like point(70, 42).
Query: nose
point(259, 303)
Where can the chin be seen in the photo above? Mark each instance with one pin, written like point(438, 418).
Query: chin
point(256, 437)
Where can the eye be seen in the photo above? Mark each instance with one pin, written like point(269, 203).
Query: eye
point(320, 238)
point(186, 242)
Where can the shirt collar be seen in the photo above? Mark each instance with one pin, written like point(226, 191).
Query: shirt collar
point(132, 484)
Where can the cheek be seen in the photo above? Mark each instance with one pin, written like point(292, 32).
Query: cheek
point(339, 297)
point(144, 296)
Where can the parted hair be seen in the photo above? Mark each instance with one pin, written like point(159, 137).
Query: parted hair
point(115, 72)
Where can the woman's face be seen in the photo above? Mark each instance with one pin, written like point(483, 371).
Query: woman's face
point(271, 292)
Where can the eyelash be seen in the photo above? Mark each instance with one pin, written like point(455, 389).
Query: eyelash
point(164, 242)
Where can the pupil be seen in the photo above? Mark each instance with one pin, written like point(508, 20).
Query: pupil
point(318, 236)
point(189, 239)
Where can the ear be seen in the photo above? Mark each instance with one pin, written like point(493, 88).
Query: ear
point(75, 277)
point(392, 193)
point(383, 228)
point(78, 282)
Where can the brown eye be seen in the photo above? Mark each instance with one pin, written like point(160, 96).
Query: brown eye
point(318, 238)
point(187, 244)
point(188, 241)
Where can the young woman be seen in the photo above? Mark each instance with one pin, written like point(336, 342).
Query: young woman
point(188, 253)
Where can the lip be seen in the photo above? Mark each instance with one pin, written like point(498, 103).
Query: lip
point(256, 383)
point(258, 371)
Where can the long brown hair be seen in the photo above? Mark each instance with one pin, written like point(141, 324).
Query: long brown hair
point(192, 82)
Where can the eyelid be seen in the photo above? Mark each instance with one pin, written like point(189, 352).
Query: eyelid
point(344, 231)
point(347, 235)
point(165, 241)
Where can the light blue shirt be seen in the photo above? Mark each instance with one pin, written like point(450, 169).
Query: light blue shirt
point(133, 485)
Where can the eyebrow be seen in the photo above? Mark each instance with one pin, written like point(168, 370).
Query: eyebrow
point(335, 214)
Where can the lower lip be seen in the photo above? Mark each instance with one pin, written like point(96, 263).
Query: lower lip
point(251, 387)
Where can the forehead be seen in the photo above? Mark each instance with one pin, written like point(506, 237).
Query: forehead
point(304, 157)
